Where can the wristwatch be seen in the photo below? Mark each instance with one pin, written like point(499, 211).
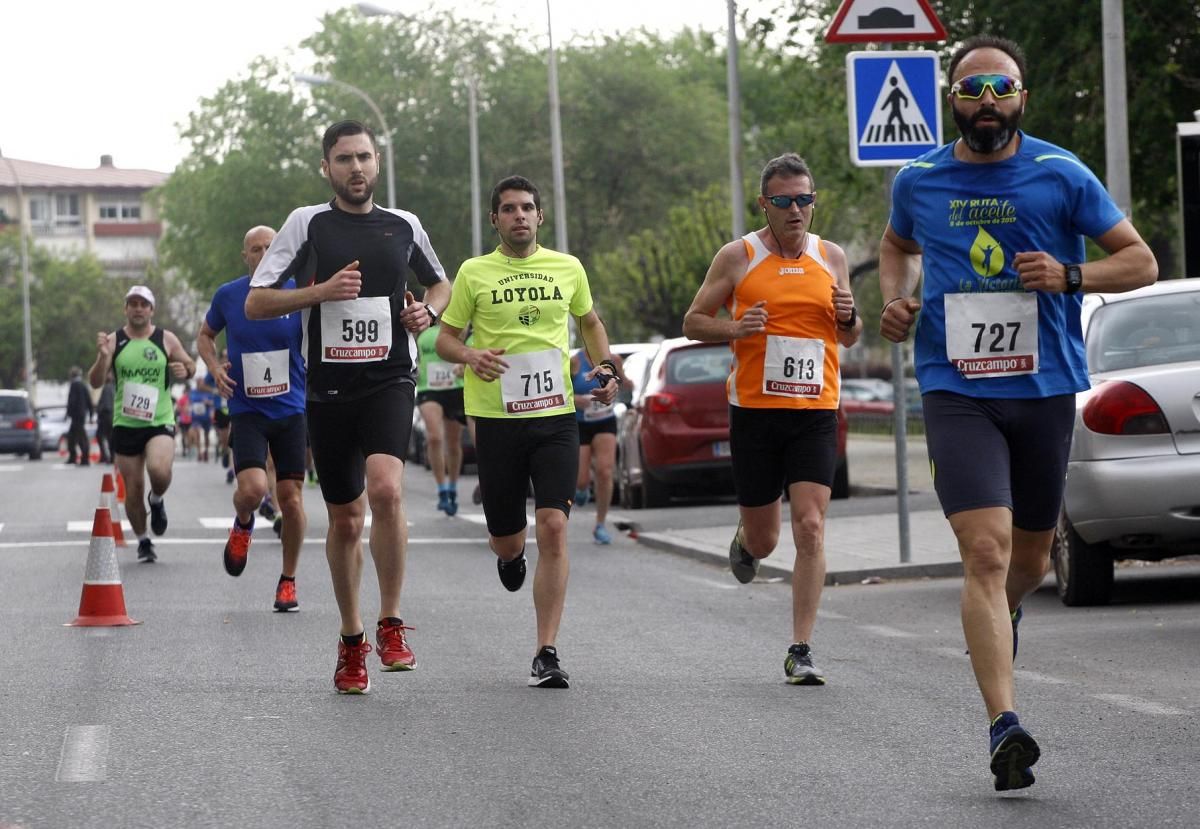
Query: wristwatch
point(433, 315)
point(1074, 279)
point(848, 324)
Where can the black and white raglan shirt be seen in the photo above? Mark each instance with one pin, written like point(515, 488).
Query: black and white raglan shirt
point(355, 347)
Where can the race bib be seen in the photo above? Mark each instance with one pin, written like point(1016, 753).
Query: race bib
point(440, 375)
point(992, 335)
point(599, 411)
point(356, 330)
point(139, 401)
point(199, 409)
point(533, 382)
point(794, 367)
point(266, 373)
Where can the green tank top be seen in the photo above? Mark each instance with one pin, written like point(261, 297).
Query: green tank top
point(433, 373)
point(143, 396)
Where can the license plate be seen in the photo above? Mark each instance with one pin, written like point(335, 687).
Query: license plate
point(721, 448)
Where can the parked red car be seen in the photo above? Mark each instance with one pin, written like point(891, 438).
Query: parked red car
point(674, 437)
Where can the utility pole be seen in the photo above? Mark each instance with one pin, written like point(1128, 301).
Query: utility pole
point(1116, 109)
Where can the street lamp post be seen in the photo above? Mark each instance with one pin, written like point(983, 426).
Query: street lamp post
point(26, 333)
point(737, 196)
point(321, 80)
point(556, 150)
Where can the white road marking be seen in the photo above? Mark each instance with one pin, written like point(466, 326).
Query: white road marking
point(830, 614)
point(1142, 706)
point(710, 582)
point(884, 630)
point(86, 526)
point(1034, 676)
point(11, 467)
point(84, 757)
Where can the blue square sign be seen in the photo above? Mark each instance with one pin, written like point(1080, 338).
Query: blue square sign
point(895, 106)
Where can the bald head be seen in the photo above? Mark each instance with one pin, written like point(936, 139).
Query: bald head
point(255, 245)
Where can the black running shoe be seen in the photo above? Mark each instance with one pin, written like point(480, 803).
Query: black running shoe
point(546, 672)
point(512, 573)
point(1014, 751)
point(146, 554)
point(1016, 621)
point(743, 565)
point(799, 666)
point(277, 526)
point(158, 517)
point(266, 509)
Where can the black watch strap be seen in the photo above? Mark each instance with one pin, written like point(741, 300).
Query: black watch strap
point(1074, 279)
point(433, 315)
point(848, 324)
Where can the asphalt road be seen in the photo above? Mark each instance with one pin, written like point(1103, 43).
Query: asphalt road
point(217, 712)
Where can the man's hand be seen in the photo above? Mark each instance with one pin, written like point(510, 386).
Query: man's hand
point(343, 285)
point(103, 346)
point(754, 321)
point(607, 392)
point(1039, 271)
point(486, 363)
point(843, 303)
point(414, 317)
point(225, 383)
point(178, 369)
point(897, 318)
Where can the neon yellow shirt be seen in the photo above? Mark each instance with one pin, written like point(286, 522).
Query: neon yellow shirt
point(522, 306)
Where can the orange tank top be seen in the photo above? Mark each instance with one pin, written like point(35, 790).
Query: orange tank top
point(794, 363)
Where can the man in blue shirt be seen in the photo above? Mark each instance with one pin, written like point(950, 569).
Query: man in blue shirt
point(995, 223)
point(263, 380)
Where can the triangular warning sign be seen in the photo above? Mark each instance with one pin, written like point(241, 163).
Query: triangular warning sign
point(895, 119)
point(879, 21)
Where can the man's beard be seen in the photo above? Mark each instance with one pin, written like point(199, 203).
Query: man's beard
point(344, 192)
point(987, 140)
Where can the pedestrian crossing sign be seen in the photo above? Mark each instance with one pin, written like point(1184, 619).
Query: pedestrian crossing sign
point(895, 106)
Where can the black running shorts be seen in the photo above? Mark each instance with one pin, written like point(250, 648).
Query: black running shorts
point(344, 434)
point(774, 448)
point(132, 440)
point(589, 429)
point(989, 452)
point(253, 434)
point(513, 451)
point(451, 401)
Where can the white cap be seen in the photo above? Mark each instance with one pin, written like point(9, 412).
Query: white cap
point(141, 291)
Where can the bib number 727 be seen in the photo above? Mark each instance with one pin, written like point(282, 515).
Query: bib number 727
point(992, 335)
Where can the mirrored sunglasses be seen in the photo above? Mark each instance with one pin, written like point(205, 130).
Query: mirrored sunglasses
point(973, 86)
point(784, 202)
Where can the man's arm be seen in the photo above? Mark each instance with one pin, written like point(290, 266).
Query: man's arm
point(595, 341)
point(206, 344)
point(179, 362)
point(843, 297)
point(1130, 264)
point(105, 343)
point(700, 322)
point(899, 274)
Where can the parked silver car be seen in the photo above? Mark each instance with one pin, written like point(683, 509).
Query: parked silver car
point(18, 425)
point(1133, 480)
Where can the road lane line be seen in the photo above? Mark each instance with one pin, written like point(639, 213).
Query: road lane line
point(1034, 676)
point(84, 757)
point(830, 614)
point(1142, 706)
point(884, 630)
point(709, 582)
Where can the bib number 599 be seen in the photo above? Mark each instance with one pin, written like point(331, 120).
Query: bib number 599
point(360, 331)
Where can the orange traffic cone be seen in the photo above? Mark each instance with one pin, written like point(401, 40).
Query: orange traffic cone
point(108, 499)
point(103, 601)
point(121, 488)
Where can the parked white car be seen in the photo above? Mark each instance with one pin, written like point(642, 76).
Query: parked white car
point(1133, 479)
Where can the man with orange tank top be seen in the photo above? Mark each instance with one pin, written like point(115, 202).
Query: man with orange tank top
point(787, 294)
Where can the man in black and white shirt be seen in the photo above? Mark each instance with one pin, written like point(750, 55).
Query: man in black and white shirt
point(351, 259)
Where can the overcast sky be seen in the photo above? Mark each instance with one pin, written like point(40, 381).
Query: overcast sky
point(86, 78)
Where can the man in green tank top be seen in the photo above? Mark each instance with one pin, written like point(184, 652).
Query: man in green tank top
point(146, 360)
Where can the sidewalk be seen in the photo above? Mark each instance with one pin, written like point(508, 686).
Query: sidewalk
point(857, 547)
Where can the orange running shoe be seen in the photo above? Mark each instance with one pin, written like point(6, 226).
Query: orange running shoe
point(393, 650)
point(285, 595)
point(237, 548)
point(350, 676)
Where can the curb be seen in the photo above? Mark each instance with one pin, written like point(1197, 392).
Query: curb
point(670, 544)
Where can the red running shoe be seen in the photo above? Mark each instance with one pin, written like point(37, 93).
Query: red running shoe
point(237, 548)
point(393, 651)
point(285, 595)
point(350, 677)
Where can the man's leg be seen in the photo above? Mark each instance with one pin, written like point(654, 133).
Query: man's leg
point(809, 502)
point(389, 530)
point(604, 458)
point(454, 451)
point(133, 470)
point(343, 550)
point(251, 487)
point(435, 447)
point(550, 576)
point(985, 544)
point(760, 528)
point(1029, 563)
point(160, 457)
point(295, 522)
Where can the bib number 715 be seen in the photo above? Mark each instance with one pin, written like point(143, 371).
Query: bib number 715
point(538, 383)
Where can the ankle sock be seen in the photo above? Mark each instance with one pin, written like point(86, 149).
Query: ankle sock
point(350, 641)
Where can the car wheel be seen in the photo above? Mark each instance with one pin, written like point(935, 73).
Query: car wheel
point(655, 493)
point(841, 480)
point(35, 454)
point(1084, 572)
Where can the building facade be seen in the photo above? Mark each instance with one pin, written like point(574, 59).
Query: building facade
point(105, 211)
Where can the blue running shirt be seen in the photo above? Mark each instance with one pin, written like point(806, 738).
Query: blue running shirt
point(970, 221)
point(269, 348)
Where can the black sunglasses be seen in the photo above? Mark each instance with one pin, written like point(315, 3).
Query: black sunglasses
point(784, 202)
